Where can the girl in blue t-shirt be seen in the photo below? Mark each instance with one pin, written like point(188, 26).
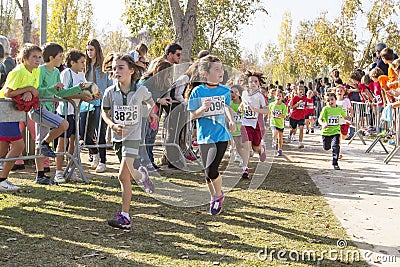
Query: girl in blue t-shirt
point(209, 104)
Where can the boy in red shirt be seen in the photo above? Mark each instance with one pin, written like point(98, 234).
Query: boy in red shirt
point(297, 117)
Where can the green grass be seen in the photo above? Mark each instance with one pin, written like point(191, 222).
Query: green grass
point(66, 225)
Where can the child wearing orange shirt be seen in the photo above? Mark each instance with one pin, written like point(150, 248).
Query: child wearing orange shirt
point(387, 55)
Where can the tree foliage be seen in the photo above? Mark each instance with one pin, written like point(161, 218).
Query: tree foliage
point(71, 23)
point(381, 26)
point(112, 41)
point(217, 24)
point(7, 16)
point(320, 45)
point(153, 16)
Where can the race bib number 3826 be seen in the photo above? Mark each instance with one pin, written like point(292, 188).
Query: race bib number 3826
point(126, 115)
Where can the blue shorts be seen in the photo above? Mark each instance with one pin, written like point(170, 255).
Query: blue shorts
point(9, 131)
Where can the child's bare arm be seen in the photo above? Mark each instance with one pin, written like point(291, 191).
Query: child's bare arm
point(113, 126)
point(194, 114)
point(12, 93)
point(261, 110)
point(150, 105)
point(231, 118)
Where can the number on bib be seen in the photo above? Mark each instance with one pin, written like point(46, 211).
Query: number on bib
point(126, 115)
point(333, 120)
point(249, 114)
point(216, 107)
point(237, 116)
point(276, 113)
point(378, 99)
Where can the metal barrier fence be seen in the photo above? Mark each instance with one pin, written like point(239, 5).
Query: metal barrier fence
point(173, 123)
point(366, 119)
point(396, 123)
point(14, 115)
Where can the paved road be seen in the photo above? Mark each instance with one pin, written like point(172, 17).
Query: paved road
point(364, 195)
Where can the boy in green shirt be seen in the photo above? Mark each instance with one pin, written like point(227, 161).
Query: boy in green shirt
point(278, 111)
point(45, 119)
point(330, 123)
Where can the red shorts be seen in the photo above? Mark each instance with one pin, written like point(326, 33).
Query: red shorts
point(251, 134)
point(344, 128)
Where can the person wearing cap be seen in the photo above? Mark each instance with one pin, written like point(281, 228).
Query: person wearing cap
point(380, 63)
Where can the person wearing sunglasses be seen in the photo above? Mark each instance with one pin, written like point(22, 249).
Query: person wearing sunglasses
point(172, 54)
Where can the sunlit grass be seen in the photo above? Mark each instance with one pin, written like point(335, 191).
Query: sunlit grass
point(67, 224)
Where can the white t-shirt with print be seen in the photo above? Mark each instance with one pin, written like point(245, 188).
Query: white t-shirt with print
point(255, 100)
point(77, 78)
point(346, 105)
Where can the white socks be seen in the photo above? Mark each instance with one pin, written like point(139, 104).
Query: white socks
point(126, 215)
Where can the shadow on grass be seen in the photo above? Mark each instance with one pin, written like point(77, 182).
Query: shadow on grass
point(66, 225)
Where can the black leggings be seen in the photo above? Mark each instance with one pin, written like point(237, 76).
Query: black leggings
point(211, 157)
point(332, 142)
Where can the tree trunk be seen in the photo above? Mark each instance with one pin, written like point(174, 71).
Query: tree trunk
point(26, 21)
point(184, 26)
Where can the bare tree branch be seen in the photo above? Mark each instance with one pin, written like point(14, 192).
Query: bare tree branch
point(19, 5)
point(176, 15)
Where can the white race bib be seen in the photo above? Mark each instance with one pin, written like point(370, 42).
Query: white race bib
point(237, 116)
point(276, 113)
point(310, 105)
point(249, 114)
point(300, 105)
point(126, 115)
point(378, 99)
point(216, 107)
point(333, 120)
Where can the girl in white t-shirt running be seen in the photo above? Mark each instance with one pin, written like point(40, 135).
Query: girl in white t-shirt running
point(344, 102)
point(253, 128)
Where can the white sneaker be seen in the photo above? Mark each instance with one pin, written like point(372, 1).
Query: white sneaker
point(251, 152)
point(101, 167)
point(237, 158)
point(229, 150)
point(7, 186)
point(59, 177)
point(293, 138)
point(75, 177)
point(95, 162)
point(274, 145)
point(301, 145)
